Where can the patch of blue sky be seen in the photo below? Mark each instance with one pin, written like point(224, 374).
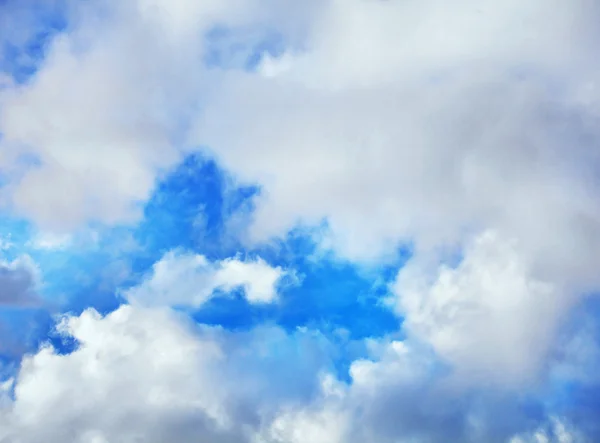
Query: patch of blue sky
point(7, 367)
point(189, 211)
point(570, 393)
point(577, 402)
point(14, 235)
point(81, 269)
point(27, 28)
point(300, 351)
point(21, 329)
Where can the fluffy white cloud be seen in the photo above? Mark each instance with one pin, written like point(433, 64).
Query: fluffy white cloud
point(190, 279)
point(424, 123)
point(429, 138)
point(105, 113)
point(399, 396)
point(101, 116)
point(256, 277)
point(489, 316)
point(397, 121)
point(148, 375)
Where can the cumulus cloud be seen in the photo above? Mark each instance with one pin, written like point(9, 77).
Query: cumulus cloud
point(191, 279)
point(471, 125)
point(99, 118)
point(489, 316)
point(421, 123)
point(429, 141)
point(105, 113)
point(147, 374)
point(396, 395)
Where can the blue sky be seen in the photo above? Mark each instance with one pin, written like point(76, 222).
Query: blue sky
point(262, 222)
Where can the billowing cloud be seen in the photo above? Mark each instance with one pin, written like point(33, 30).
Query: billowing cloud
point(470, 128)
point(191, 279)
point(430, 138)
point(104, 115)
point(430, 125)
point(489, 316)
point(102, 164)
point(149, 375)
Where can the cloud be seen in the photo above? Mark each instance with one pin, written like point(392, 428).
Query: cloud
point(19, 283)
point(431, 140)
point(256, 277)
point(423, 124)
point(191, 279)
point(102, 164)
point(149, 374)
point(489, 316)
point(105, 113)
point(471, 127)
point(20, 296)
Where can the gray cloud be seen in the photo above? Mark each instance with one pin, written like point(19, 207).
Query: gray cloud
point(19, 282)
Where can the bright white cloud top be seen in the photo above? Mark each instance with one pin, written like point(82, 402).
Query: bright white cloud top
point(465, 132)
point(190, 279)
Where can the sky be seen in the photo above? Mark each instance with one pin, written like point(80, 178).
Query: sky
point(272, 221)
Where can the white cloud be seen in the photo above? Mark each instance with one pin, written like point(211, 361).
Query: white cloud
point(105, 113)
point(421, 123)
point(149, 375)
point(490, 316)
point(256, 277)
point(190, 279)
point(102, 114)
point(397, 396)
point(396, 121)
point(429, 140)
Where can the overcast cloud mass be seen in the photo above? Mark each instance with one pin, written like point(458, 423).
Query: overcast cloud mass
point(272, 221)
